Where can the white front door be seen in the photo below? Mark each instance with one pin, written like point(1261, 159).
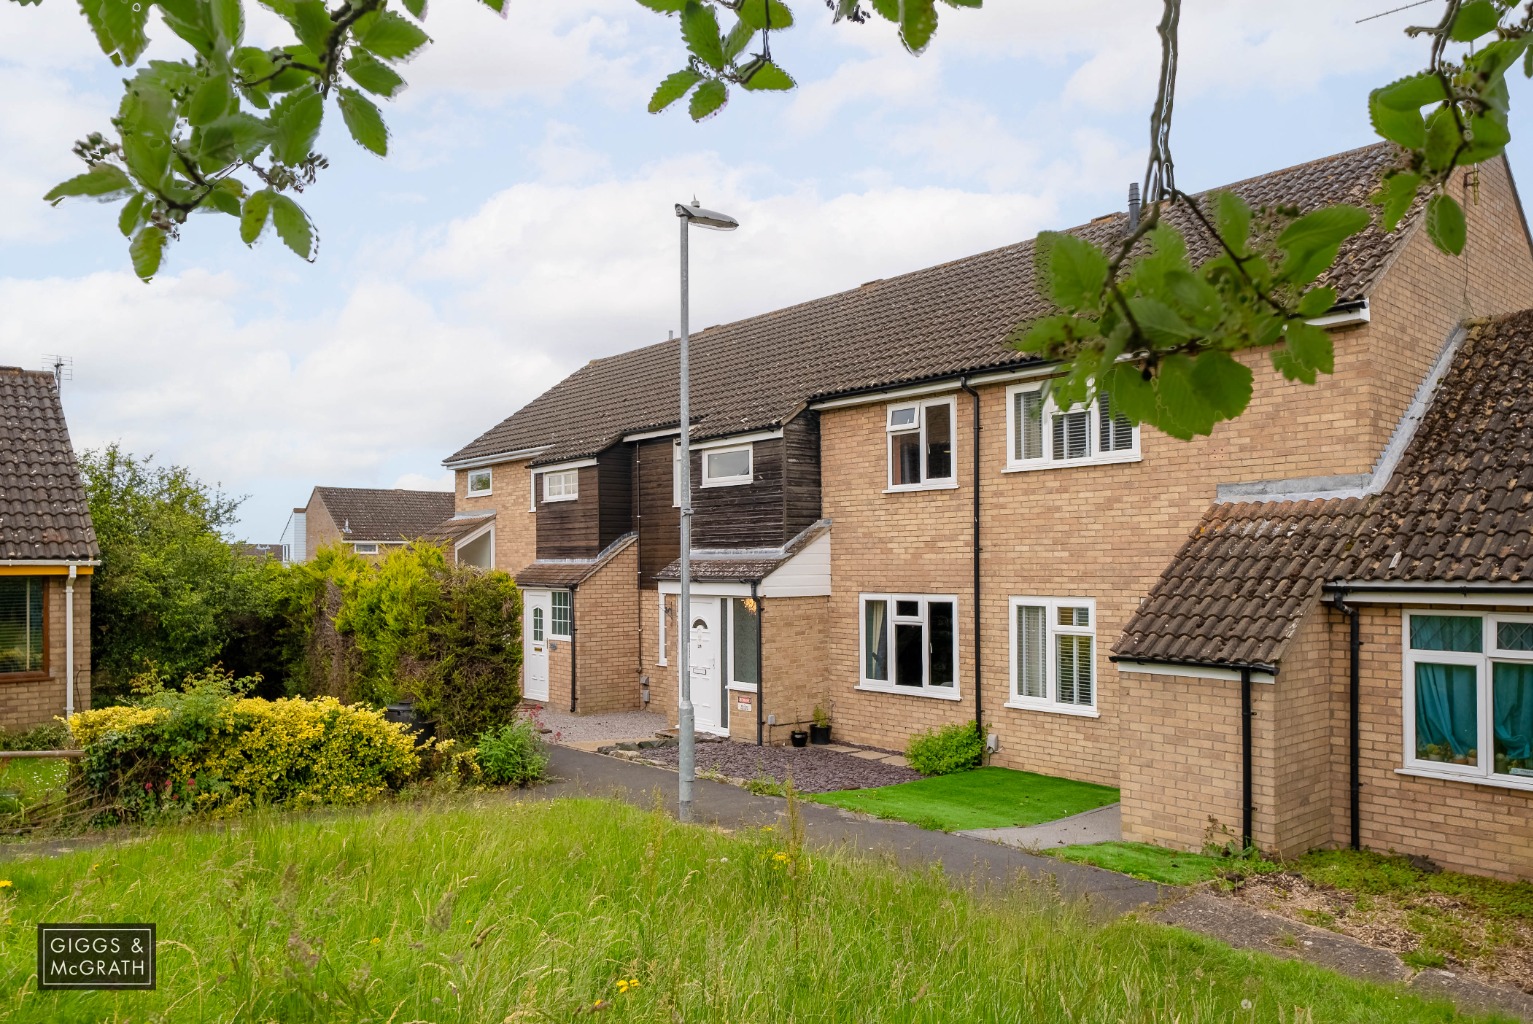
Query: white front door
point(537, 612)
point(707, 677)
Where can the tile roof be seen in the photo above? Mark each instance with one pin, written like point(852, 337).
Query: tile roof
point(454, 529)
point(939, 322)
point(734, 565)
point(384, 515)
point(566, 573)
point(43, 511)
point(1458, 508)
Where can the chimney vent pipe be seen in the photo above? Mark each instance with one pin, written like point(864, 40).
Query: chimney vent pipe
point(1133, 207)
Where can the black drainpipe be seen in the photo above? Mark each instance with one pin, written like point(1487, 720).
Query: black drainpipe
point(979, 720)
point(1246, 801)
point(760, 676)
point(1354, 716)
point(574, 652)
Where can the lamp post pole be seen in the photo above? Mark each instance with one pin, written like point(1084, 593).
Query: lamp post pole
point(685, 716)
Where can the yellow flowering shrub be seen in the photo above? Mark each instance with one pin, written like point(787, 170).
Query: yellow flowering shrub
point(89, 726)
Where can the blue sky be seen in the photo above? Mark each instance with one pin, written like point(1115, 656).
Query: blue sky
point(522, 223)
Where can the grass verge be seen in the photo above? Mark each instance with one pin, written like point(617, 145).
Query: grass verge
point(487, 910)
point(25, 781)
point(1158, 864)
point(983, 798)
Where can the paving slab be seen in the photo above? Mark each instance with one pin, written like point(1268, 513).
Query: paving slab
point(897, 760)
point(870, 755)
point(1102, 825)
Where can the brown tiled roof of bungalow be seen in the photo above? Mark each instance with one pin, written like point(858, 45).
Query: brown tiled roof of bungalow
point(374, 514)
point(936, 323)
point(43, 511)
point(1457, 508)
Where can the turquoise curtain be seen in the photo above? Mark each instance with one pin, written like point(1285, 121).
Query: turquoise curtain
point(1512, 705)
point(1447, 633)
point(1446, 723)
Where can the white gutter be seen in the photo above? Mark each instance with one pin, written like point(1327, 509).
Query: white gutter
point(492, 460)
point(69, 644)
point(70, 562)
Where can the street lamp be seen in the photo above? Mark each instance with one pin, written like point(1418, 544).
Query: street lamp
point(688, 216)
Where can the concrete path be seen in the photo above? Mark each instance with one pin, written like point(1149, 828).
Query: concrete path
point(981, 864)
point(587, 732)
point(1103, 825)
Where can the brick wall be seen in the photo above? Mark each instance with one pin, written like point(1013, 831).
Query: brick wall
point(516, 531)
point(1311, 717)
point(320, 529)
point(607, 631)
point(32, 702)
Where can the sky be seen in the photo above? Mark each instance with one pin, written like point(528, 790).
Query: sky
point(522, 223)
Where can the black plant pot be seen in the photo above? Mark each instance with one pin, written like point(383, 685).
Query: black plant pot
point(799, 738)
point(819, 735)
point(405, 714)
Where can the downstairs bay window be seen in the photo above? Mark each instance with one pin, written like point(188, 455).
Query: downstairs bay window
point(1469, 696)
point(1053, 655)
point(910, 644)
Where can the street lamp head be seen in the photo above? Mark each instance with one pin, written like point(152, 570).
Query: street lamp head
point(695, 214)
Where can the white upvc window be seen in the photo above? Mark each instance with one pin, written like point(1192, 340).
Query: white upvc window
point(1469, 696)
point(676, 475)
point(479, 482)
point(909, 644)
point(728, 467)
point(1040, 435)
point(559, 620)
point(532, 490)
point(921, 449)
point(365, 547)
point(1053, 654)
point(563, 485)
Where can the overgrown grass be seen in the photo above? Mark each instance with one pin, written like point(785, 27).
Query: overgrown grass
point(1378, 874)
point(1158, 864)
point(493, 911)
point(25, 781)
point(982, 798)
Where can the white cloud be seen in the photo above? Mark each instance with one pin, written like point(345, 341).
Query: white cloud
point(442, 481)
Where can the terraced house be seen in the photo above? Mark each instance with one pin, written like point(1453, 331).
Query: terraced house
point(894, 521)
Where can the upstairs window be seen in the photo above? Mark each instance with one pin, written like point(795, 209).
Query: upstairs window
point(676, 475)
point(478, 483)
point(1053, 654)
point(728, 467)
point(1040, 435)
point(22, 638)
point(364, 547)
point(910, 644)
point(921, 444)
point(560, 623)
point(561, 486)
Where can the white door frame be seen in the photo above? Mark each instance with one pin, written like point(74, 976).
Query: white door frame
point(537, 618)
point(707, 665)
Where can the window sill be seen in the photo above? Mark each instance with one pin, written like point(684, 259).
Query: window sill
point(567, 497)
point(1054, 709)
point(1498, 782)
point(25, 677)
point(911, 691)
point(478, 494)
point(1116, 459)
point(948, 485)
point(742, 687)
point(739, 482)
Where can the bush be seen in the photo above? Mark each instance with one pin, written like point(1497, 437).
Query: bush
point(209, 748)
point(953, 748)
point(53, 736)
point(513, 755)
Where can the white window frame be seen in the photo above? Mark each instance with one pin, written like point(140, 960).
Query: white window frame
point(920, 406)
point(532, 489)
point(1094, 457)
point(562, 475)
point(926, 689)
point(553, 615)
point(737, 480)
point(489, 484)
point(1052, 629)
point(364, 547)
point(729, 637)
point(676, 474)
point(1484, 772)
point(661, 660)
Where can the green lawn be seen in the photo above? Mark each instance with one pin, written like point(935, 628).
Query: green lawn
point(982, 798)
point(28, 780)
point(488, 910)
point(1156, 863)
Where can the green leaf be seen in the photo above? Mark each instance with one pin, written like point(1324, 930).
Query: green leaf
point(700, 31)
point(1233, 218)
point(1074, 269)
point(232, 138)
point(1405, 128)
point(1222, 382)
point(1396, 195)
point(118, 27)
point(209, 102)
point(417, 8)
point(1443, 139)
point(761, 75)
point(253, 216)
point(229, 20)
point(673, 88)
point(392, 37)
point(312, 24)
point(132, 213)
point(1043, 335)
point(1194, 298)
point(1313, 240)
point(1445, 223)
point(364, 122)
point(738, 39)
point(1474, 20)
point(1181, 410)
point(252, 62)
point(147, 250)
point(1306, 351)
point(373, 75)
point(759, 14)
point(1488, 138)
point(709, 98)
point(293, 227)
point(1411, 93)
point(1159, 321)
point(844, 9)
point(665, 6)
point(918, 23)
point(296, 121)
point(223, 201)
point(1316, 302)
point(103, 181)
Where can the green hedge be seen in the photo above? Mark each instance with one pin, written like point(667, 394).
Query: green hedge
point(953, 748)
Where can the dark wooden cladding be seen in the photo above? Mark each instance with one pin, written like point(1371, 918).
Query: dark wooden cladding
point(745, 515)
point(571, 529)
point(801, 474)
point(614, 498)
point(659, 521)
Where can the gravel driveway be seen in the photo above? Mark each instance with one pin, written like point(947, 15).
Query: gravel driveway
point(814, 769)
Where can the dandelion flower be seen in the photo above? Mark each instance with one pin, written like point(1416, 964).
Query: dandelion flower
point(780, 857)
point(5, 883)
point(376, 941)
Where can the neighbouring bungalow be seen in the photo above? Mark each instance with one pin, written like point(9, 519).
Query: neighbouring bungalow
point(369, 520)
point(48, 553)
